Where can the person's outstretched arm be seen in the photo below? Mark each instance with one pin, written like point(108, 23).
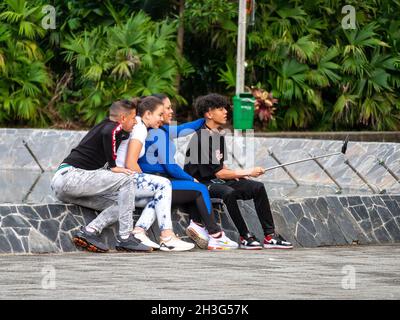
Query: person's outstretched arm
point(228, 174)
point(184, 129)
point(166, 157)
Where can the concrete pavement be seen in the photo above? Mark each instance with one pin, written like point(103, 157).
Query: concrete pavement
point(357, 272)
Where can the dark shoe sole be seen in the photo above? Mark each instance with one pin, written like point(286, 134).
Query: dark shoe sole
point(83, 243)
point(122, 249)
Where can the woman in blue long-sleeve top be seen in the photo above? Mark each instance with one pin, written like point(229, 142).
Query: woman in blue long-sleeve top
point(159, 158)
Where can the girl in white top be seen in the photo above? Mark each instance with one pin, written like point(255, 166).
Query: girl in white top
point(158, 188)
point(138, 133)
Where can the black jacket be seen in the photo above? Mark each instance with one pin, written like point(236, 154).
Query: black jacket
point(99, 147)
point(205, 154)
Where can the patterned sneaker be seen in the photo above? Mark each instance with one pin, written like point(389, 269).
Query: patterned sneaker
point(173, 243)
point(221, 243)
point(275, 241)
point(89, 241)
point(142, 236)
point(198, 234)
point(249, 242)
point(131, 245)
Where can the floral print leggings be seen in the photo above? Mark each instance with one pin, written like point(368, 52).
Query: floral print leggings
point(157, 191)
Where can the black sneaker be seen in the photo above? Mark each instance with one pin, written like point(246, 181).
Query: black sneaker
point(275, 241)
point(249, 242)
point(131, 244)
point(90, 241)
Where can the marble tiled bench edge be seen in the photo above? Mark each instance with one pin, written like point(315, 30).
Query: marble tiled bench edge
point(308, 222)
point(51, 146)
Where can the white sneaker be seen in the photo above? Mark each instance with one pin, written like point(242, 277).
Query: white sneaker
point(198, 234)
point(142, 236)
point(222, 243)
point(173, 243)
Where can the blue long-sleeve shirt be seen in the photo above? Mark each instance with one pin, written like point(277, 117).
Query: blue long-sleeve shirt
point(160, 151)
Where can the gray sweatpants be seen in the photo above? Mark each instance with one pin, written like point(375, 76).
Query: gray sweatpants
point(102, 190)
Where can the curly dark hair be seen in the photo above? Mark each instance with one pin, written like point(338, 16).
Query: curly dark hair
point(209, 102)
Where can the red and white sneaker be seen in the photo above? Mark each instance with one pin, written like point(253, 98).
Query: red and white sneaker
point(275, 241)
point(249, 242)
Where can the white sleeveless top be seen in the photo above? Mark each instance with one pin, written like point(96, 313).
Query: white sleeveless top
point(139, 132)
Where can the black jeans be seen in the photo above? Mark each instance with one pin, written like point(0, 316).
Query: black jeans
point(242, 189)
point(193, 203)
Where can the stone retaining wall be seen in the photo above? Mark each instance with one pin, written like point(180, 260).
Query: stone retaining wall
point(50, 147)
point(308, 222)
point(31, 222)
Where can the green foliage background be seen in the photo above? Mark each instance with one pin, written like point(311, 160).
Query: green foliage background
point(326, 78)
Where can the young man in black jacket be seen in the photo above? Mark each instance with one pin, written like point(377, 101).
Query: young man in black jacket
point(205, 162)
point(90, 177)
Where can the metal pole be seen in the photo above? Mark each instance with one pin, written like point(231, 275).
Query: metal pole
point(343, 151)
point(383, 164)
point(238, 162)
point(241, 48)
point(283, 167)
point(362, 177)
point(326, 171)
point(25, 199)
point(32, 154)
point(302, 160)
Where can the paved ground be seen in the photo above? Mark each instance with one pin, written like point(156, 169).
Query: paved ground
point(362, 272)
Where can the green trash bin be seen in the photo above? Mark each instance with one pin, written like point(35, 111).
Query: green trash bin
point(243, 111)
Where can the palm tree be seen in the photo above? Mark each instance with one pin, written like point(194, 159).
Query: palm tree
point(24, 77)
point(24, 17)
point(366, 79)
point(324, 76)
point(133, 58)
